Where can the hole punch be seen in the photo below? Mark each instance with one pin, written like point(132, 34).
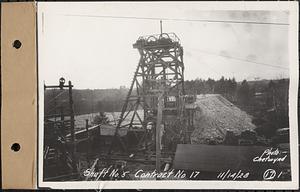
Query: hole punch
point(17, 44)
point(15, 147)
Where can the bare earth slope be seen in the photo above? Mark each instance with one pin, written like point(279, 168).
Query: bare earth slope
point(216, 115)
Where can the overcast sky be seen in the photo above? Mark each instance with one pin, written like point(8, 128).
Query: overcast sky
point(96, 52)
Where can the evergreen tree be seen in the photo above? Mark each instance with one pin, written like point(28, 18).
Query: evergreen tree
point(100, 119)
point(243, 93)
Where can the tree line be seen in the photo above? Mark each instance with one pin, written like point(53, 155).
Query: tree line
point(265, 100)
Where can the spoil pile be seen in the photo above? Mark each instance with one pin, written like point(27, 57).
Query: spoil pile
point(214, 116)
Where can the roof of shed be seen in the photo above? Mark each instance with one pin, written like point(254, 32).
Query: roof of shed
point(216, 158)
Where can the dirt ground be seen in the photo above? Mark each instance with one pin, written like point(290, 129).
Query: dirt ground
point(214, 116)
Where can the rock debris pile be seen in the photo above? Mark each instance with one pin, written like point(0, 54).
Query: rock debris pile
point(214, 116)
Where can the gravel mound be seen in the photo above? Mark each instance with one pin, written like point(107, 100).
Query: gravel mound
point(214, 116)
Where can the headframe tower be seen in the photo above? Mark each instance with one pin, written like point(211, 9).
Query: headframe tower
point(155, 100)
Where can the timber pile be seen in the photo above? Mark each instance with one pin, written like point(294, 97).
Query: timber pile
point(214, 116)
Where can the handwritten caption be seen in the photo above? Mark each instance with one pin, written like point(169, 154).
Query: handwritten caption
point(270, 155)
point(139, 174)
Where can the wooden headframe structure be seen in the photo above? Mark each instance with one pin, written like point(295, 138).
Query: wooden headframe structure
point(159, 74)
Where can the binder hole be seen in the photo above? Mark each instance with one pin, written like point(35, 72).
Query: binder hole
point(17, 44)
point(15, 147)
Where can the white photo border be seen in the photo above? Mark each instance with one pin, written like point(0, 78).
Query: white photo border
point(292, 7)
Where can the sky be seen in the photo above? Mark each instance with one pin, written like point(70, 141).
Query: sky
point(94, 52)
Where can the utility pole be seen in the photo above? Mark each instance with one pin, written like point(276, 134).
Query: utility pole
point(160, 107)
point(88, 139)
point(72, 123)
point(160, 26)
